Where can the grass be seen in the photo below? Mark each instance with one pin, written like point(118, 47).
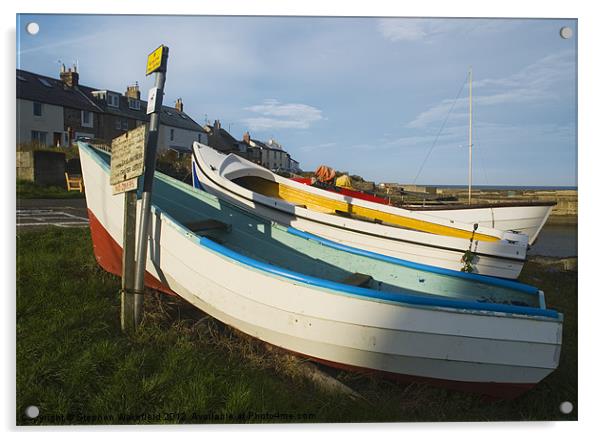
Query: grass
point(182, 366)
point(29, 190)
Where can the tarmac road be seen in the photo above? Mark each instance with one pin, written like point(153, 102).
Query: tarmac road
point(64, 213)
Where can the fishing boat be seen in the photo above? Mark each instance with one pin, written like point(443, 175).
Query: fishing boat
point(338, 305)
point(387, 230)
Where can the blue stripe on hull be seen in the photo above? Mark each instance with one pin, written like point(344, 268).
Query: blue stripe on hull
point(196, 182)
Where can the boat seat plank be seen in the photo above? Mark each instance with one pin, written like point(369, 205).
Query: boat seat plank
point(358, 279)
point(207, 225)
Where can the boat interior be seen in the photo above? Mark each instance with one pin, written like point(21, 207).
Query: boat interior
point(326, 205)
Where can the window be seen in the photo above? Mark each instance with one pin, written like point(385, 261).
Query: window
point(134, 104)
point(37, 109)
point(113, 100)
point(87, 119)
point(121, 124)
point(200, 138)
point(38, 137)
point(45, 82)
point(171, 134)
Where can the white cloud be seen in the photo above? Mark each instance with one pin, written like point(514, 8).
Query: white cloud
point(424, 29)
point(274, 115)
point(402, 30)
point(536, 82)
point(315, 147)
point(540, 75)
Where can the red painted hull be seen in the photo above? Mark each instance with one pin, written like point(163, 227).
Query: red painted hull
point(108, 254)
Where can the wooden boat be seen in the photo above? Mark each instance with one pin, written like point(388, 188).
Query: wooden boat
point(436, 242)
point(527, 217)
point(338, 305)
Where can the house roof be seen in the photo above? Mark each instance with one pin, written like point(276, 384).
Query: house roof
point(264, 146)
point(35, 87)
point(220, 139)
point(172, 117)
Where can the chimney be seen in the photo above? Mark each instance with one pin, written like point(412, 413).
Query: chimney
point(69, 76)
point(246, 138)
point(217, 125)
point(133, 91)
point(179, 105)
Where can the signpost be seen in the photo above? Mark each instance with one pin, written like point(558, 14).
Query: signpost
point(156, 63)
point(127, 164)
point(132, 155)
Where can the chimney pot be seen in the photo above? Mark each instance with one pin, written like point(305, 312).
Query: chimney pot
point(179, 105)
point(70, 78)
point(133, 91)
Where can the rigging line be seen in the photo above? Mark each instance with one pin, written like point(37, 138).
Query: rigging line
point(440, 130)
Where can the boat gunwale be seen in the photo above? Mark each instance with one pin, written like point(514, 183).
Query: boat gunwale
point(455, 206)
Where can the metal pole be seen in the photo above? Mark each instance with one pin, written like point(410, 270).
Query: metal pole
point(469, 135)
point(128, 319)
point(149, 173)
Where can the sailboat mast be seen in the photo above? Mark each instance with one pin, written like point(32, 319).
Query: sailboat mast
point(469, 135)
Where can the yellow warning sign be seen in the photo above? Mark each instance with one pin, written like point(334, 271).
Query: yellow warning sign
point(155, 60)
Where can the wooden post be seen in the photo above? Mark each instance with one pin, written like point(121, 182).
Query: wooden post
point(128, 317)
point(127, 165)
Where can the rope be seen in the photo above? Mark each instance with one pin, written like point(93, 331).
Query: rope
point(440, 130)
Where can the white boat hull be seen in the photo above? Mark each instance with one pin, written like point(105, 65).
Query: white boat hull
point(490, 352)
point(503, 258)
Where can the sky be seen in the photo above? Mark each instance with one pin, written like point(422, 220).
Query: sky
point(384, 98)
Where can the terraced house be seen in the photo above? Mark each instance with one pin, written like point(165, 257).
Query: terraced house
point(57, 112)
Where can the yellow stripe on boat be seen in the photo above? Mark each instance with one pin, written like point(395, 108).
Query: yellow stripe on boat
point(326, 205)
